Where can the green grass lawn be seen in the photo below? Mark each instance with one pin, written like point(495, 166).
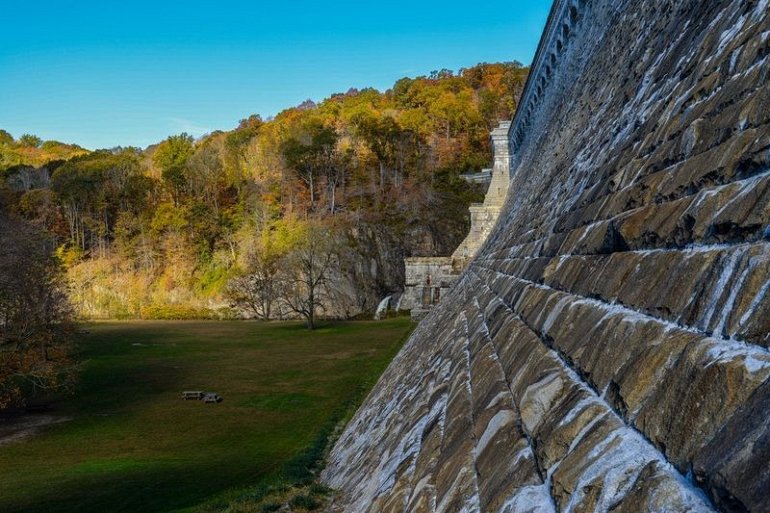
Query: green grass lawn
point(133, 445)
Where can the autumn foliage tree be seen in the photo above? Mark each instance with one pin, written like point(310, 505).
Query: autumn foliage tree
point(171, 157)
point(36, 325)
point(305, 286)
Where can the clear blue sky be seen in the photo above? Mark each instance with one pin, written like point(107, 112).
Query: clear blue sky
point(103, 74)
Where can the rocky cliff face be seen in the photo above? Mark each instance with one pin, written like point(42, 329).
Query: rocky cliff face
point(608, 348)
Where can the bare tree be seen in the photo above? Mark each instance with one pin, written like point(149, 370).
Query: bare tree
point(257, 288)
point(305, 287)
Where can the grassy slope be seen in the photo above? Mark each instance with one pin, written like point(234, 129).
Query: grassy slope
point(134, 445)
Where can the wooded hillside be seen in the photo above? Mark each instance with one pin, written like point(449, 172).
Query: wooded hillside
point(192, 228)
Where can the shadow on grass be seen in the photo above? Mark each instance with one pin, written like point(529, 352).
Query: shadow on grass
point(300, 471)
point(132, 488)
point(128, 485)
point(278, 402)
point(123, 386)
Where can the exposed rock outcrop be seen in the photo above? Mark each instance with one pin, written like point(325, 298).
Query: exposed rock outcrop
point(607, 350)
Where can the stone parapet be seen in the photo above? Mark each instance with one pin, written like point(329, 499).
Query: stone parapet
point(562, 20)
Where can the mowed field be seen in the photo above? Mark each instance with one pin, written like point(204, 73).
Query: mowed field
point(133, 445)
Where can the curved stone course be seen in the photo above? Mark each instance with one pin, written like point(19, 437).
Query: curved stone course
point(607, 349)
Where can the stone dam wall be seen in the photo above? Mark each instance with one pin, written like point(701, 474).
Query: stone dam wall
point(607, 349)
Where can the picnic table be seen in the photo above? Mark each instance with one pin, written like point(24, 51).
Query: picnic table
point(199, 395)
point(212, 397)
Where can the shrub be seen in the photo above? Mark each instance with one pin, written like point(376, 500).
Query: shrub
point(305, 501)
point(175, 312)
point(269, 507)
point(319, 489)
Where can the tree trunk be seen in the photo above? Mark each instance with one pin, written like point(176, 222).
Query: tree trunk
point(310, 321)
point(311, 309)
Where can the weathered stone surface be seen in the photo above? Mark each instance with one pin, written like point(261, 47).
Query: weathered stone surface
point(607, 349)
point(734, 466)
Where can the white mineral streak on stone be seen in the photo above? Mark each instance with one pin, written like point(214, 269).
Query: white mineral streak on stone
point(616, 462)
point(720, 288)
point(501, 419)
point(636, 317)
point(761, 10)
point(761, 63)
point(470, 505)
point(645, 103)
point(514, 251)
point(387, 472)
point(467, 377)
point(414, 437)
point(729, 304)
point(498, 398)
point(622, 455)
point(422, 485)
point(578, 409)
point(384, 475)
point(710, 29)
point(537, 400)
point(680, 99)
point(688, 253)
point(756, 360)
point(611, 310)
point(524, 454)
point(444, 370)
point(761, 296)
point(554, 313)
point(708, 248)
point(562, 259)
point(734, 59)
point(745, 186)
point(706, 194)
point(586, 429)
point(530, 499)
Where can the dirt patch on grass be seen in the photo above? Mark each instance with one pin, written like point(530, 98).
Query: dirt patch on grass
point(14, 428)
